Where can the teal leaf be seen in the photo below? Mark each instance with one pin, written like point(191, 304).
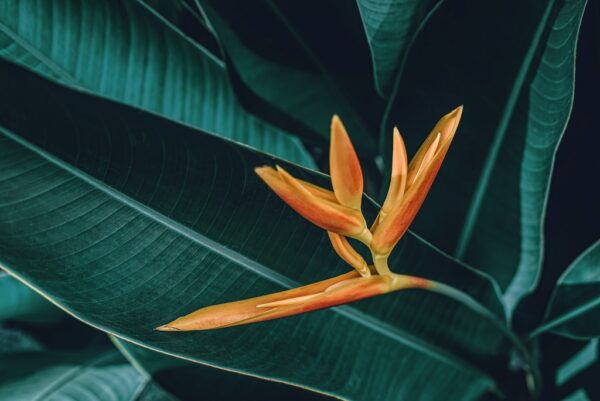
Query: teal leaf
point(575, 304)
point(13, 340)
point(189, 381)
point(128, 53)
point(127, 220)
point(19, 302)
point(62, 376)
point(579, 395)
point(298, 87)
point(578, 362)
point(514, 74)
point(390, 26)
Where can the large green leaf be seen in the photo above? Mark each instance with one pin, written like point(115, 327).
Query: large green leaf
point(390, 26)
point(274, 61)
point(62, 376)
point(514, 74)
point(18, 301)
point(189, 381)
point(122, 50)
point(153, 392)
point(127, 220)
point(13, 340)
point(578, 362)
point(575, 304)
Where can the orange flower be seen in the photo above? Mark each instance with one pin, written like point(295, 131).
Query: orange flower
point(339, 213)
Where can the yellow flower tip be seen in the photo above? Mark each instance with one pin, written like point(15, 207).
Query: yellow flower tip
point(344, 166)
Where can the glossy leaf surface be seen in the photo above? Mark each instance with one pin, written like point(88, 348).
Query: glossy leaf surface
point(185, 380)
point(130, 220)
point(18, 302)
point(488, 204)
point(124, 51)
point(574, 309)
point(276, 64)
point(62, 376)
point(390, 26)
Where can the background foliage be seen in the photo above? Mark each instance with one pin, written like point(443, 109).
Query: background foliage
point(129, 131)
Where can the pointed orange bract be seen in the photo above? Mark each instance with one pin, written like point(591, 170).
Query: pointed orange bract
point(399, 174)
point(346, 174)
point(315, 208)
point(422, 171)
point(339, 290)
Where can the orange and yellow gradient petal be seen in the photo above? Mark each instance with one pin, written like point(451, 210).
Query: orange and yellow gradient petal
point(317, 209)
point(422, 172)
point(339, 290)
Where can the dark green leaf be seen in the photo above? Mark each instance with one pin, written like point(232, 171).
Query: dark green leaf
point(128, 220)
point(575, 305)
point(579, 395)
point(13, 340)
point(578, 362)
point(273, 61)
point(513, 71)
point(122, 50)
point(61, 376)
point(189, 381)
point(19, 302)
point(390, 26)
point(153, 392)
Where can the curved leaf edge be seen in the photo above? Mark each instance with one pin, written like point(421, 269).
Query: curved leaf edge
point(122, 337)
point(549, 325)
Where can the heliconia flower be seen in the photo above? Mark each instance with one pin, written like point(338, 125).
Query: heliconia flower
point(339, 213)
point(339, 290)
point(402, 205)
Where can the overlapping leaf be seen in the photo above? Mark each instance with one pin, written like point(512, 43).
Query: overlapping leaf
point(514, 73)
point(123, 51)
point(17, 301)
point(390, 26)
point(127, 220)
point(189, 381)
point(272, 59)
point(62, 376)
point(575, 305)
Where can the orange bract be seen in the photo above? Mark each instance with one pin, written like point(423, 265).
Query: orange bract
point(421, 173)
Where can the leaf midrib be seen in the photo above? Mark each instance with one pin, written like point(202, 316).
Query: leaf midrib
point(351, 313)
